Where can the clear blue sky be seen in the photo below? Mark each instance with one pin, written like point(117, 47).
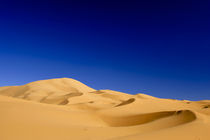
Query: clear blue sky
point(161, 48)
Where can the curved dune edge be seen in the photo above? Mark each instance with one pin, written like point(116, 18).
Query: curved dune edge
point(67, 109)
point(60, 100)
point(181, 117)
point(129, 101)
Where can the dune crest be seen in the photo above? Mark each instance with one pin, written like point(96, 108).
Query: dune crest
point(68, 109)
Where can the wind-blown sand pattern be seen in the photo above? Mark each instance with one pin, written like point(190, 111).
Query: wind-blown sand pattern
point(66, 109)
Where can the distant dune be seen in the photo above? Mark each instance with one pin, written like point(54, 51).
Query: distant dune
point(66, 109)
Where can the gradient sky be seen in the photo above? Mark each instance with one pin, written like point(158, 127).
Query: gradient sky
point(161, 48)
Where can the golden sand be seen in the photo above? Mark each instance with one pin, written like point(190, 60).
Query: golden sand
point(66, 109)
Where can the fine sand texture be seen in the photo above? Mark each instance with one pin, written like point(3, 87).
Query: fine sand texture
point(66, 109)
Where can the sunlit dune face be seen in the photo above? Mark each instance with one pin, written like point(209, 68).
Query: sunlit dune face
point(67, 109)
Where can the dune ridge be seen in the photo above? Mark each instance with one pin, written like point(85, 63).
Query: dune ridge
point(182, 116)
point(68, 109)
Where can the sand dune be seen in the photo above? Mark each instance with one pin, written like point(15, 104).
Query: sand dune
point(181, 117)
point(67, 109)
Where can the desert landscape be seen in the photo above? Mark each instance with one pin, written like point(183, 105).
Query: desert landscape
point(104, 70)
point(66, 109)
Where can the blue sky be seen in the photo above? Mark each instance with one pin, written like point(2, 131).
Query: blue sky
point(159, 48)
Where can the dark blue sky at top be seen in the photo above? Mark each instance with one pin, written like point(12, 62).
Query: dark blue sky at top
point(160, 48)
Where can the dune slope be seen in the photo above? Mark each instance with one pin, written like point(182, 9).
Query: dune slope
point(67, 109)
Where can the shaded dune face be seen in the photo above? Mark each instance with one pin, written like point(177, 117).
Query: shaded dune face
point(60, 100)
point(181, 117)
point(15, 91)
point(129, 101)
